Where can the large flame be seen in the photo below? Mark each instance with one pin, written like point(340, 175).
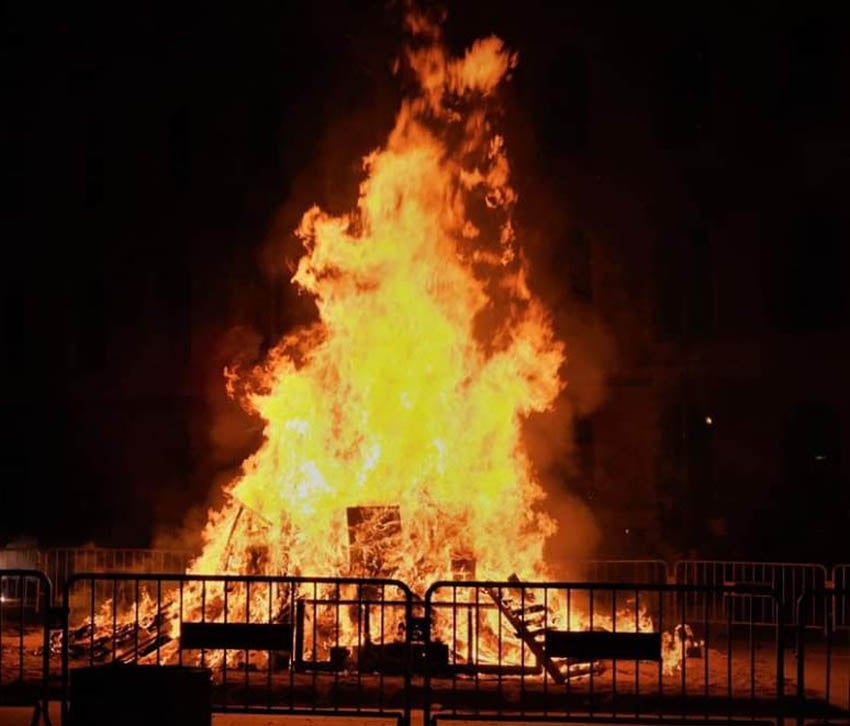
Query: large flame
point(393, 425)
point(429, 351)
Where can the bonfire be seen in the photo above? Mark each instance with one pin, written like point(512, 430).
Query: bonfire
point(393, 424)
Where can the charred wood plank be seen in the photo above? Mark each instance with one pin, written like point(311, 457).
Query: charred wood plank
point(601, 645)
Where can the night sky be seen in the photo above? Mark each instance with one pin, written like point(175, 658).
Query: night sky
point(157, 157)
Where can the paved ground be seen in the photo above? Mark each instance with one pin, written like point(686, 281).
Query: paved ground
point(23, 716)
point(764, 657)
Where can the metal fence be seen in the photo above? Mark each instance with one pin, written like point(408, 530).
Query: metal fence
point(63, 563)
point(595, 651)
point(20, 558)
point(468, 651)
point(24, 638)
point(288, 645)
point(27, 591)
point(788, 579)
point(823, 661)
point(841, 603)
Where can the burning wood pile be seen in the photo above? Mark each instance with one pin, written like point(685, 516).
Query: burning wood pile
point(334, 630)
point(404, 401)
point(129, 642)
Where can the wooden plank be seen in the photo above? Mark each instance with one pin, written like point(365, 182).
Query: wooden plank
point(599, 645)
point(236, 636)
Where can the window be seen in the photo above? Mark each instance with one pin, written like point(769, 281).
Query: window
point(700, 297)
point(669, 291)
point(812, 448)
point(686, 470)
point(810, 293)
point(814, 496)
point(685, 301)
point(812, 80)
point(579, 265)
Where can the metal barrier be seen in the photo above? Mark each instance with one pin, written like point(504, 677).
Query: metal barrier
point(788, 579)
point(24, 639)
point(513, 651)
point(289, 645)
point(823, 662)
point(27, 591)
point(63, 563)
point(20, 558)
point(841, 605)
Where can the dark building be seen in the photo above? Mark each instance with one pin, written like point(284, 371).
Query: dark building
point(713, 226)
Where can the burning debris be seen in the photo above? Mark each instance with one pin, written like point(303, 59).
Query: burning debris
point(374, 540)
point(128, 643)
point(326, 628)
point(683, 640)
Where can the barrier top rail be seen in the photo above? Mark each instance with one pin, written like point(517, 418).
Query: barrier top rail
point(20, 572)
point(258, 579)
point(830, 591)
point(757, 563)
point(738, 587)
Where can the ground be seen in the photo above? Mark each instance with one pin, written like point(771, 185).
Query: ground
point(748, 678)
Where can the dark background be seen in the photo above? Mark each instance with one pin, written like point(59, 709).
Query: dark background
point(683, 180)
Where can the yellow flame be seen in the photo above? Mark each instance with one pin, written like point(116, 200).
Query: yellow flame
point(428, 353)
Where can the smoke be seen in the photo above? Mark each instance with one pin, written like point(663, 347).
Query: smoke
point(545, 222)
point(561, 465)
point(222, 433)
point(566, 470)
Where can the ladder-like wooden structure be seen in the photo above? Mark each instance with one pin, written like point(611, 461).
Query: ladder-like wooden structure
point(529, 622)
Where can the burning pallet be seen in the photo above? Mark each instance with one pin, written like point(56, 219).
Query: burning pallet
point(124, 643)
point(374, 540)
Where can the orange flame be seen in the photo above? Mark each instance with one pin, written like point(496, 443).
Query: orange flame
point(429, 351)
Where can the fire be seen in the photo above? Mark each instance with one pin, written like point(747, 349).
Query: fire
point(393, 441)
point(410, 389)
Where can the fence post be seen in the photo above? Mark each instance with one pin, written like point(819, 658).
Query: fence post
point(780, 659)
point(426, 687)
